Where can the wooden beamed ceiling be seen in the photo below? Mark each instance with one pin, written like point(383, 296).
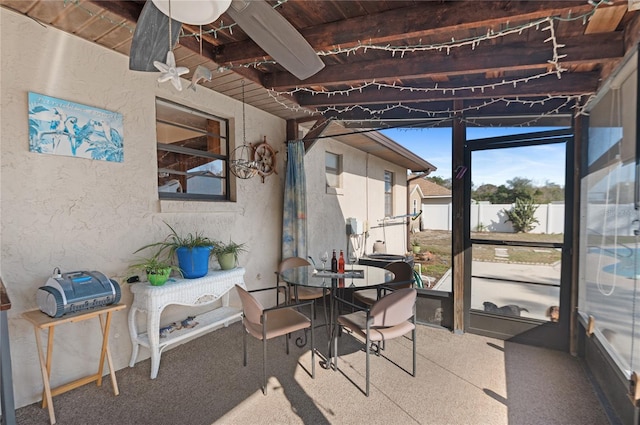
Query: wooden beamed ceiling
point(520, 68)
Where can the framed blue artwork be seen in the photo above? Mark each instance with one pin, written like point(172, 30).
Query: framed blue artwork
point(60, 127)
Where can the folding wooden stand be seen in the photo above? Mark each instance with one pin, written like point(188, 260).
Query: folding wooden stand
point(41, 322)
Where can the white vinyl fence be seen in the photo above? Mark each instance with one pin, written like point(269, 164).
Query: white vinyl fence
point(491, 218)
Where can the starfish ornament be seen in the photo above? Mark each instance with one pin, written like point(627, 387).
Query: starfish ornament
point(170, 71)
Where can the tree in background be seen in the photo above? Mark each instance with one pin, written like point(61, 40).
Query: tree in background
point(440, 181)
point(518, 187)
point(521, 215)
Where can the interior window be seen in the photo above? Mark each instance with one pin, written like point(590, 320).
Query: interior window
point(333, 169)
point(192, 154)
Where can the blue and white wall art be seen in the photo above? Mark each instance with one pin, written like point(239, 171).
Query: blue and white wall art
point(60, 127)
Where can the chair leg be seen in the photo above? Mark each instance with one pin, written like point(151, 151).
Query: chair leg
point(264, 354)
point(414, 352)
point(324, 305)
point(244, 346)
point(264, 366)
point(367, 354)
point(313, 350)
point(336, 329)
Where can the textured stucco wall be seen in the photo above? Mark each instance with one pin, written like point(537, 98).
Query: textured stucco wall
point(361, 196)
point(80, 214)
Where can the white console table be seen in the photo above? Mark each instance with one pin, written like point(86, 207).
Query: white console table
point(190, 292)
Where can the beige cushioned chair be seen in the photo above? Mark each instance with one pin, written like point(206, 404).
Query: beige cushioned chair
point(267, 323)
point(299, 292)
point(390, 317)
point(403, 279)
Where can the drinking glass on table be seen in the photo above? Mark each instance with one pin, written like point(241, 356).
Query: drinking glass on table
point(353, 258)
point(324, 257)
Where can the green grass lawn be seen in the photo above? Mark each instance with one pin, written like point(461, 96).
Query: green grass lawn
point(436, 250)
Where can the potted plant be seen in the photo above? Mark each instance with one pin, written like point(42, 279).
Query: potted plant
point(227, 253)
point(156, 269)
point(415, 246)
point(192, 250)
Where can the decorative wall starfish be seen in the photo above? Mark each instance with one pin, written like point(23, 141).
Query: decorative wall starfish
point(170, 71)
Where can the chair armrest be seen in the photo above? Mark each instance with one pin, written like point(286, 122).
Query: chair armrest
point(279, 307)
point(350, 304)
point(263, 289)
point(277, 288)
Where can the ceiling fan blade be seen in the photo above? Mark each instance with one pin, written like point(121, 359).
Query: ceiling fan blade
point(151, 38)
point(276, 36)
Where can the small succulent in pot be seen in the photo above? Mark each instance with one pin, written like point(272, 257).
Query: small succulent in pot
point(156, 269)
point(415, 246)
point(228, 253)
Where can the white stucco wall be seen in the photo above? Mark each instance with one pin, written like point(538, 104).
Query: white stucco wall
point(80, 214)
point(361, 196)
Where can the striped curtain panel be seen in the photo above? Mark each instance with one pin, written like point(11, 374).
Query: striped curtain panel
point(294, 215)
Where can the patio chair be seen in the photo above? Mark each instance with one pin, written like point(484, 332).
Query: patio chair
point(390, 317)
point(300, 292)
point(404, 278)
point(267, 323)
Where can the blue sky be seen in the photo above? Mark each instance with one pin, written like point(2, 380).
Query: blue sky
point(537, 163)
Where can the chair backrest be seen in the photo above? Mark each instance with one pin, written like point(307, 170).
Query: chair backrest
point(292, 262)
point(394, 308)
point(251, 307)
point(403, 273)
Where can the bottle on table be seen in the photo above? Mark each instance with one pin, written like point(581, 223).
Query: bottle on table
point(341, 262)
point(334, 262)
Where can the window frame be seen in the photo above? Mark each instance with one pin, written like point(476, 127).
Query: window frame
point(224, 138)
point(388, 194)
point(337, 172)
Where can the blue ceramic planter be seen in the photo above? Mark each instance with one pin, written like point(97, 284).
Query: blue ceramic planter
point(194, 262)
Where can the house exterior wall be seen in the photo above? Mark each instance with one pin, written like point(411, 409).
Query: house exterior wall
point(415, 206)
point(361, 196)
point(80, 214)
point(437, 201)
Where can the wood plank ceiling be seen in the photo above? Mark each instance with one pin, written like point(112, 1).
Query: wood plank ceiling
point(394, 60)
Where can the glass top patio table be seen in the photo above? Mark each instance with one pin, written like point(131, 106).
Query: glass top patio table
point(361, 277)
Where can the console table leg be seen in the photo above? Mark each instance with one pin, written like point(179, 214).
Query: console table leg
point(153, 333)
point(155, 363)
point(133, 334)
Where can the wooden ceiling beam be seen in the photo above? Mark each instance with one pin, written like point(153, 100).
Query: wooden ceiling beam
point(316, 131)
point(569, 84)
point(422, 20)
point(583, 49)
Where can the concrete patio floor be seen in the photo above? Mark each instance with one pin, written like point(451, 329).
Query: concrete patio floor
point(461, 379)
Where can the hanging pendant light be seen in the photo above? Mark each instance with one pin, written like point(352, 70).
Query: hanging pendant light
point(241, 160)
